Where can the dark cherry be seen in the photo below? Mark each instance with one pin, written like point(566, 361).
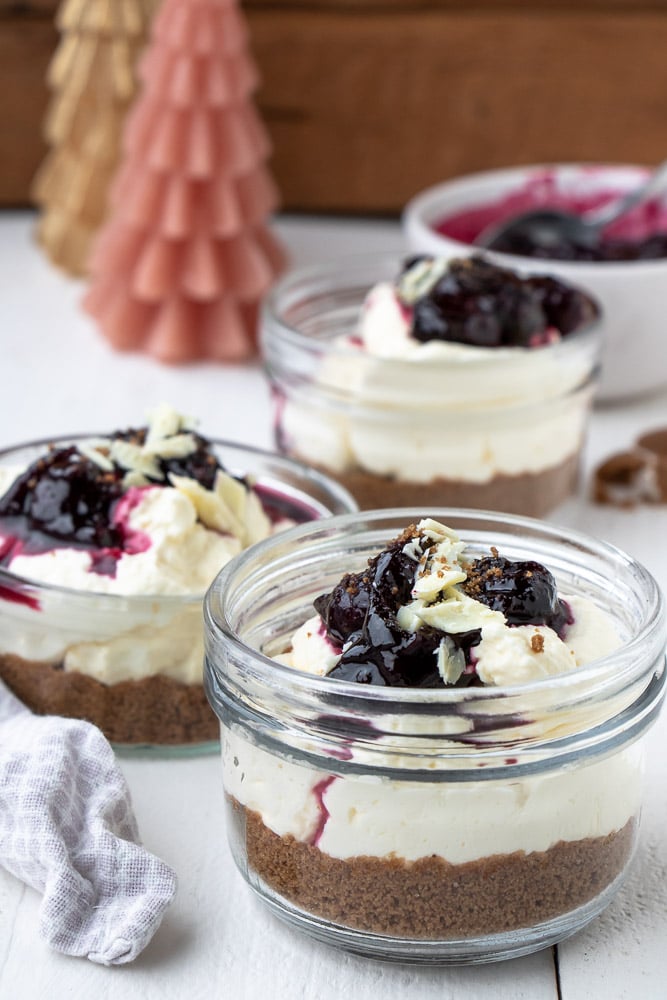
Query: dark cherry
point(478, 303)
point(652, 248)
point(385, 585)
point(343, 611)
point(562, 308)
point(65, 497)
point(525, 592)
point(384, 654)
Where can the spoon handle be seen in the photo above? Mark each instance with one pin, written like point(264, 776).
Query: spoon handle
point(601, 217)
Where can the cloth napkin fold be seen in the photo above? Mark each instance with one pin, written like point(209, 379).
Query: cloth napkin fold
point(67, 829)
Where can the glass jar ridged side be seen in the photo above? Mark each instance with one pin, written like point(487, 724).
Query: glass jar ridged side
point(442, 826)
point(450, 424)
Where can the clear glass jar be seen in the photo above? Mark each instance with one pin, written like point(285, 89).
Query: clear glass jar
point(497, 429)
point(445, 826)
point(132, 663)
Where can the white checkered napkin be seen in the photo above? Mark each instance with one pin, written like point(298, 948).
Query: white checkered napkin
point(67, 829)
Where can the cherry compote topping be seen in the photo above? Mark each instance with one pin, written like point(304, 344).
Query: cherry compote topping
point(525, 592)
point(64, 499)
point(360, 615)
point(476, 302)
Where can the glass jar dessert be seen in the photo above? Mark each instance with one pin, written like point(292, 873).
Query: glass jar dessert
point(454, 383)
point(107, 546)
point(432, 748)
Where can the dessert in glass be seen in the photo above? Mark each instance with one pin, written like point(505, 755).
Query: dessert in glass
point(432, 728)
point(433, 382)
point(107, 546)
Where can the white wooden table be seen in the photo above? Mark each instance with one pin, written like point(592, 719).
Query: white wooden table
point(57, 375)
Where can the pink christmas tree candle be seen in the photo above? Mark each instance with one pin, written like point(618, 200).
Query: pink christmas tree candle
point(182, 263)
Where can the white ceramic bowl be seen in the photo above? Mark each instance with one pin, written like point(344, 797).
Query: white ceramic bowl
point(632, 293)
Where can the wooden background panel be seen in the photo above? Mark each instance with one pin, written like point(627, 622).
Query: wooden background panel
point(26, 8)
point(366, 111)
point(533, 7)
point(26, 45)
point(21, 8)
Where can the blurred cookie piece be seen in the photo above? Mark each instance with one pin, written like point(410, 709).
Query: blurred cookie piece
point(632, 477)
point(626, 479)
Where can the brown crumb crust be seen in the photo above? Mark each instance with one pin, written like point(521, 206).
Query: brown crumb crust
point(430, 898)
point(531, 493)
point(155, 710)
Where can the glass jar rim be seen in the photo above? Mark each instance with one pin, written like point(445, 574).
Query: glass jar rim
point(275, 327)
point(30, 586)
point(619, 665)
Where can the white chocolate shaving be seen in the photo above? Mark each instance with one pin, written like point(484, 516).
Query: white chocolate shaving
point(457, 613)
point(177, 446)
point(97, 452)
point(134, 479)
point(420, 279)
point(164, 421)
point(134, 458)
point(439, 565)
point(229, 507)
point(164, 440)
point(451, 662)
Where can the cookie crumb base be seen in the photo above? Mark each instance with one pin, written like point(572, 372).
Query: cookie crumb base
point(431, 899)
point(155, 711)
point(532, 494)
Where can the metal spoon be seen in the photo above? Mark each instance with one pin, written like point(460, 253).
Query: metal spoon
point(549, 227)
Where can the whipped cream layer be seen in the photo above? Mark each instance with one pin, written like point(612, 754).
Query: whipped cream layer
point(108, 639)
point(370, 815)
point(181, 556)
point(420, 411)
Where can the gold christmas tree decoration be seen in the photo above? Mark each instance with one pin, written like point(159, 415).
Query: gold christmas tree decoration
point(185, 256)
point(93, 81)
